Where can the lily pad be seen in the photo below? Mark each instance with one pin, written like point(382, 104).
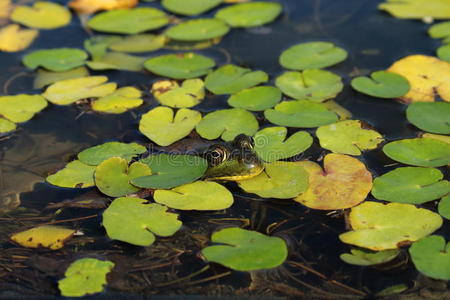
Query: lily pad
point(42, 15)
point(413, 185)
point(271, 143)
point(74, 175)
point(88, 7)
point(227, 124)
point(170, 93)
point(246, 250)
point(129, 21)
point(431, 117)
point(256, 98)
point(85, 276)
point(378, 226)
point(118, 102)
point(344, 182)
point(164, 127)
point(250, 14)
point(95, 155)
point(6, 126)
point(138, 43)
point(348, 137)
point(281, 180)
point(180, 66)
point(189, 7)
point(439, 137)
point(117, 61)
point(59, 59)
point(47, 236)
point(431, 256)
point(13, 38)
point(443, 53)
point(198, 30)
point(361, 257)
point(21, 108)
point(444, 207)
point(417, 9)
point(422, 152)
point(312, 55)
point(300, 113)
point(44, 77)
point(143, 221)
point(230, 79)
point(98, 45)
point(382, 85)
point(169, 171)
point(199, 195)
point(316, 85)
point(440, 30)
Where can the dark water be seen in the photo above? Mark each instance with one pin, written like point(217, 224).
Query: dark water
point(374, 41)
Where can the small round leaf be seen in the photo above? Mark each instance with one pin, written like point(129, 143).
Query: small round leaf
point(431, 256)
point(189, 7)
point(74, 175)
point(432, 117)
point(170, 93)
point(444, 207)
point(382, 85)
point(256, 98)
point(250, 14)
point(198, 30)
point(95, 155)
point(59, 59)
point(362, 257)
point(43, 15)
point(21, 108)
point(180, 66)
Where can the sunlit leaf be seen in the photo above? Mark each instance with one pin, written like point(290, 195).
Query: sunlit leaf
point(58, 59)
point(431, 256)
point(170, 93)
point(6, 126)
point(250, 14)
point(382, 85)
point(95, 155)
point(74, 175)
point(92, 6)
point(444, 207)
point(21, 108)
point(361, 257)
point(439, 137)
point(189, 7)
point(117, 61)
point(13, 38)
point(44, 77)
point(440, 30)
point(256, 98)
point(118, 102)
point(42, 15)
point(443, 53)
point(432, 117)
point(47, 236)
point(5, 9)
point(198, 30)
point(138, 43)
point(417, 9)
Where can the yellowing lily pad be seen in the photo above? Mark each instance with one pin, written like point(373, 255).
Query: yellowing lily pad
point(143, 221)
point(21, 108)
point(164, 127)
point(91, 6)
point(42, 15)
point(44, 77)
point(439, 137)
point(138, 43)
point(362, 257)
point(118, 102)
point(432, 117)
point(189, 7)
point(431, 256)
point(198, 30)
point(271, 143)
point(382, 85)
point(227, 124)
point(256, 98)
point(95, 155)
point(281, 180)
point(316, 85)
point(117, 61)
point(417, 9)
point(59, 59)
point(170, 93)
point(344, 182)
point(47, 236)
point(250, 14)
point(74, 175)
point(348, 137)
point(6, 126)
point(378, 226)
point(199, 195)
point(13, 38)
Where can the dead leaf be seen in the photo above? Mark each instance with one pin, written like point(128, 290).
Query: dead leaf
point(91, 6)
point(48, 236)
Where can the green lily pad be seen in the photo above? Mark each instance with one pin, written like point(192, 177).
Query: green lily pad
point(281, 180)
point(143, 221)
point(6, 126)
point(256, 98)
point(250, 14)
point(129, 21)
point(417, 9)
point(199, 195)
point(316, 85)
point(312, 55)
point(246, 250)
point(42, 15)
point(169, 171)
point(362, 257)
point(112, 176)
point(422, 152)
point(440, 30)
point(21, 108)
point(271, 143)
point(430, 116)
point(443, 52)
point(444, 207)
point(98, 45)
point(198, 30)
point(378, 226)
point(74, 175)
point(85, 276)
point(413, 185)
point(230, 79)
point(117, 61)
point(180, 66)
point(170, 93)
point(227, 124)
point(189, 7)
point(300, 113)
point(68, 91)
point(431, 256)
point(59, 59)
point(382, 85)
point(118, 102)
point(95, 155)
point(44, 77)
point(164, 127)
point(138, 43)
point(348, 137)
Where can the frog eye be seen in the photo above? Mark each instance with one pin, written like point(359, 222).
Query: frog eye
point(216, 156)
point(243, 141)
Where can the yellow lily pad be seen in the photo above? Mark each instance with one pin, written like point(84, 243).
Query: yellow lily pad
point(21, 108)
point(170, 93)
point(91, 6)
point(118, 102)
point(43, 15)
point(138, 43)
point(6, 126)
point(74, 175)
point(44, 77)
point(13, 38)
point(417, 9)
point(48, 236)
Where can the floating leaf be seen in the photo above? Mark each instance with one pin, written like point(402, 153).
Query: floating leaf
point(6, 126)
point(344, 182)
point(129, 21)
point(21, 108)
point(246, 250)
point(382, 85)
point(89, 6)
point(112, 176)
point(432, 117)
point(117, 61)
point(417, 9)
point(68, 91)
point(47, 236)
point(13, 38)
point(98, 45)
point(312, 55)
point(249, 14)
point(316, 85)
point(227, 124)
point(361, 257)
point(271, 143)
point(392, 290)
point(170, 93)
point(444, 207)
point(443, 53)
point(164, 127)
point(84, 277)
point(422, 152)
point(256, 98)
point(300, 113)
point(59, 59)
point(378, 226)
point(413, 185)
point(138, 43)
point(188, 46)
point(348, 137)
point(281, 180)
point(95, 155)
point(199, 195)
point(442, 138)
point(189, 7)
point(169, 171)
point(44, 77)
point(118, 102)
point(198, 30)
point(143, 221)
point(230, 79)
point(440, 30)
point(180, 66)
point(74, 175)
point(431, 256)
point(43, 15)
